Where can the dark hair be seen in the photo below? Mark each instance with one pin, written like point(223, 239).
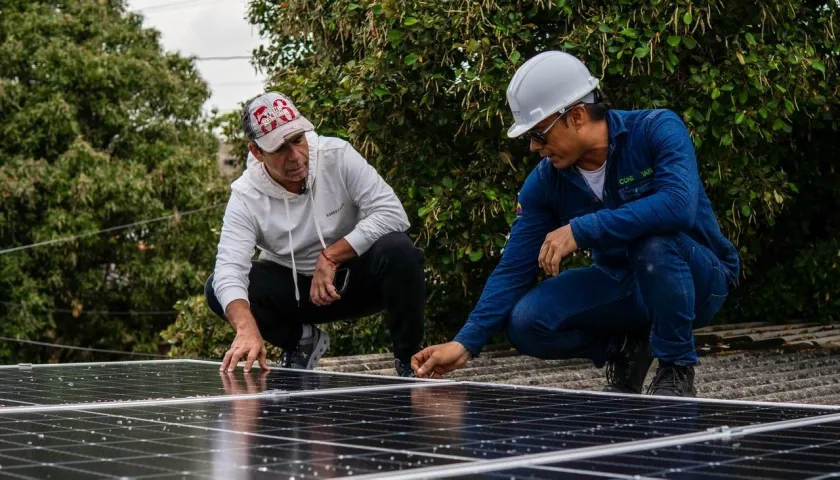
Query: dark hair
point(598, 111)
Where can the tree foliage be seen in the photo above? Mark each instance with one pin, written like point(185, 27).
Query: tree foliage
point(419, 88)
point(100, 128)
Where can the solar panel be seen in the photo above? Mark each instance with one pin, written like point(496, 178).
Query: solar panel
point(157, 380)
point(89, 443)
point(182, 419)
point(798, 452)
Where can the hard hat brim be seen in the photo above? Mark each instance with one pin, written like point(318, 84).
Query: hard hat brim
point(516, 131)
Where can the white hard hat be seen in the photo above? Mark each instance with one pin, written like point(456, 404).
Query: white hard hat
point(546, 84)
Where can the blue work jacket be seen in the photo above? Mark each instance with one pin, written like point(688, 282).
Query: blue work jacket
point(652, 187)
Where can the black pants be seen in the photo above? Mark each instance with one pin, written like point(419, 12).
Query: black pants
point(389, 275)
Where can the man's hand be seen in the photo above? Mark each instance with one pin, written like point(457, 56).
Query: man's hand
point(248, 342)
point(557, 245)
point(323, 291)
point(437, 360)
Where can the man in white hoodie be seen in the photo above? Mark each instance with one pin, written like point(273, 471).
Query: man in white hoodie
point(332, 241)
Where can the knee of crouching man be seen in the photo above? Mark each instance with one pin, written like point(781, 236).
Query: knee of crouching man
point(648, 254)
point(398, 247)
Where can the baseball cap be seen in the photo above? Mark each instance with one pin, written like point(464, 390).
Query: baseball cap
point(270, 118)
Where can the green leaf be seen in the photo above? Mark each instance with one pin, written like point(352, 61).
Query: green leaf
point(642, 52)
point(687, 18)
point(789, 106)
point(726, 140)
point(410, 59)
point(515, 56)
point(746, 210)
point(353, 6)
point(715, 93)
point(380, 92)
point(447, 182)
point(817, 65)
point(395, 36)
point(674, 40)
point(605, 28)
point(476, 255)
point(750, 38)
point(739, 118)
point(689, 42)
point(410, 21)
point(629, 32)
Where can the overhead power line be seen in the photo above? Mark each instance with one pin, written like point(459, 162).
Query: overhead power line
point(232, 57)
point(177, 5)
point(109, 313)
point(86, 349)
point(112, 229)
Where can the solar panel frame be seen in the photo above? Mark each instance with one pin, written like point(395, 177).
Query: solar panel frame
point(719, 401)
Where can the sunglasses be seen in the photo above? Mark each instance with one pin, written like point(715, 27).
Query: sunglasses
point(539, 137)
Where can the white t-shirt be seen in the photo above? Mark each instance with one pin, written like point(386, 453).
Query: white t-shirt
point(595, 180)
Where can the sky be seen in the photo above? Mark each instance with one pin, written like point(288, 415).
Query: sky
point(209, 28)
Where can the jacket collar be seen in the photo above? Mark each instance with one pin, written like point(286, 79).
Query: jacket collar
point(616, 127)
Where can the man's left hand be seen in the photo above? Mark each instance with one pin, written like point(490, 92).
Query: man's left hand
point(557, 245)
point(323, 291)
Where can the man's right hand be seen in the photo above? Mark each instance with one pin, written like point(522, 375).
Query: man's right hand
point(248, 342)
point(437, 360)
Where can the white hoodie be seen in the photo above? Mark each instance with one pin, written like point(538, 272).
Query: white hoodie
point(345, 198)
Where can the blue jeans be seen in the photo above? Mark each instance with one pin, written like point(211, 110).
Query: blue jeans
point(675, 285)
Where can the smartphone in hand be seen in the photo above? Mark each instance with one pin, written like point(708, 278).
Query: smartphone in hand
point(341, 280)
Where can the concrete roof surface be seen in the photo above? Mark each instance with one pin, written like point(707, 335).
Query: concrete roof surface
point(762, 362)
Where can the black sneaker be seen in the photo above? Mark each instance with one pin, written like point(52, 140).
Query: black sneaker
point(673, 381)
point(308, 352)
point(626, 372)
point(403, 369)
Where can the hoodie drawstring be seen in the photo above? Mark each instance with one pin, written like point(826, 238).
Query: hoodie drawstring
point(292, 248)
point(315, 204)
point(311, 186)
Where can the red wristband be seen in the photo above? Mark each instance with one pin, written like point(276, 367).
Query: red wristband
point(324, 253)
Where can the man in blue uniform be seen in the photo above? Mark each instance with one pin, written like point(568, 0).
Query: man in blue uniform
point(625, 185)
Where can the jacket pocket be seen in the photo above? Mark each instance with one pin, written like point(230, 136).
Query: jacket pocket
point(636, 191)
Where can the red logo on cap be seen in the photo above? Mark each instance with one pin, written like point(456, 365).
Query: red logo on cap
point(267, 119)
